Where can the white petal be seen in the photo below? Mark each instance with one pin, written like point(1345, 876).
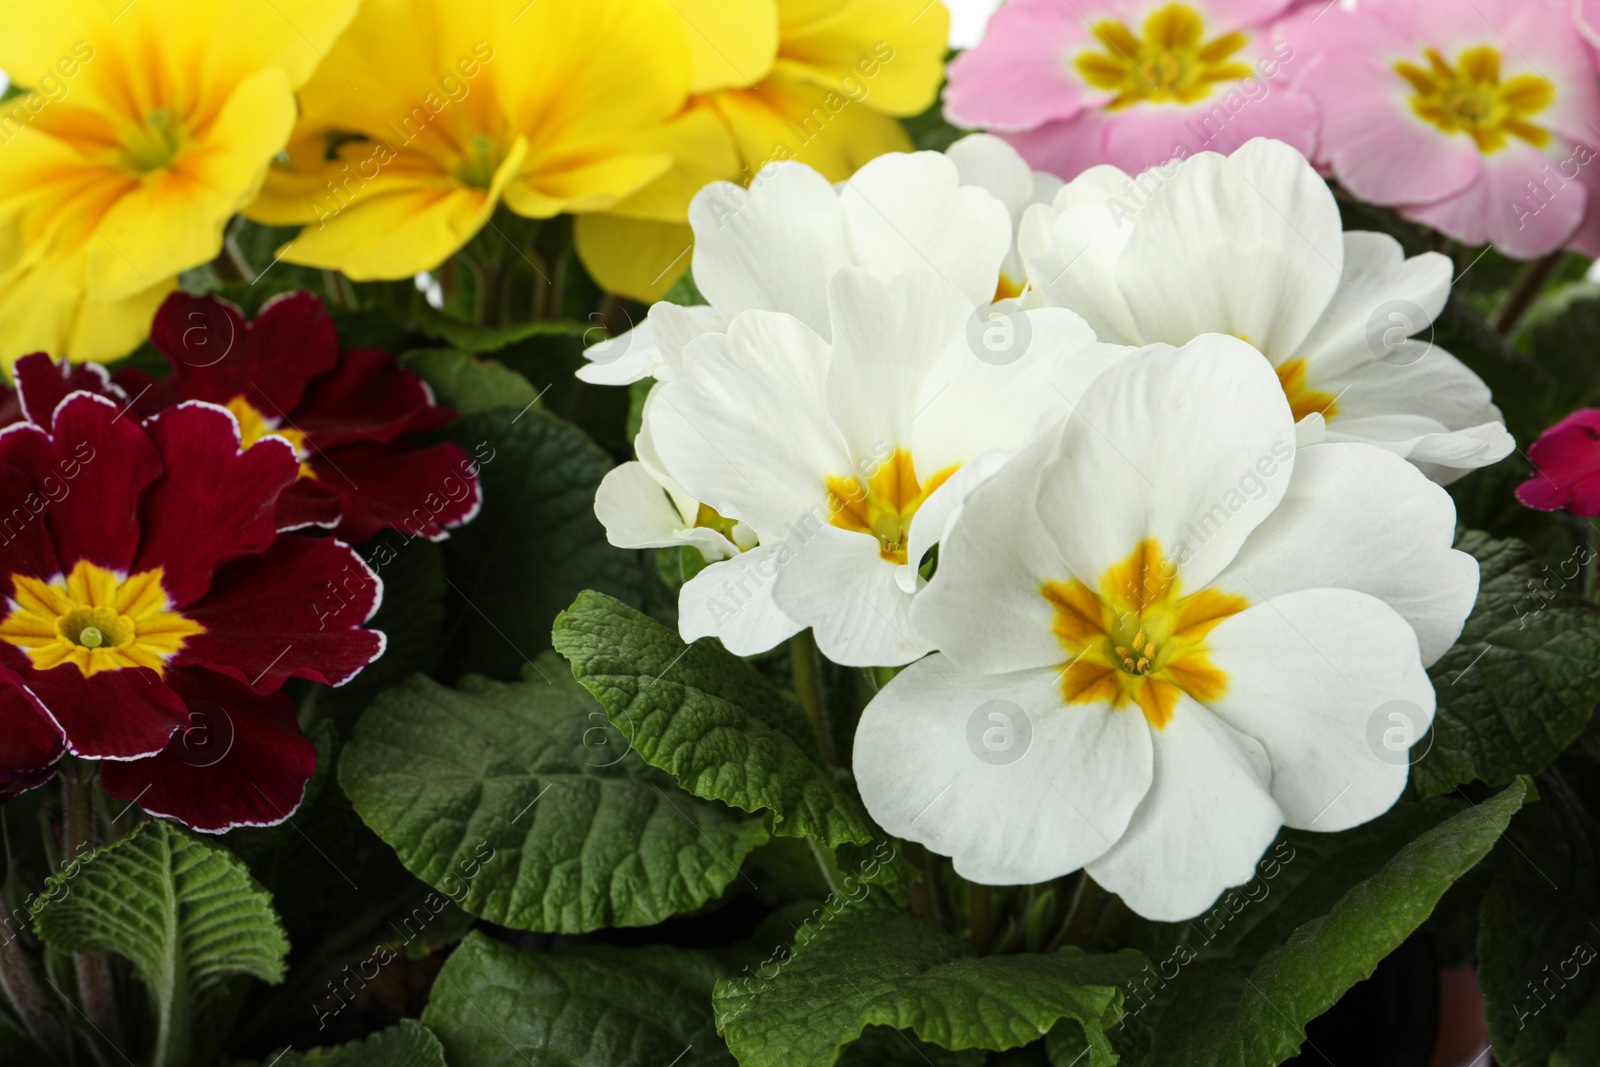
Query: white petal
point(1248, 244)
point(624, 359)
point(905, 210)
point(886, 336)
point(1011, 373)
point(1357, 517)
point(986, 161)
point(1202, 827)
point(773, 246)
point(1314, 676)
point(744, 429)
point(836, 582)
point(1382, 300)
point(939, 512)
point(674, 327)
point(1192, 447)
point(732, 600)
point(983, 607)
point(1071, 248)
point(994, 772)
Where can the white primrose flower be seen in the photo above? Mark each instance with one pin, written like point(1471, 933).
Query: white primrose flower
point(1165, 633)
point(1251, 245)
point(775, 245)
point(848, 457)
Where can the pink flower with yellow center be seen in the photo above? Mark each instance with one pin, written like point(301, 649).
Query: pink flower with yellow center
point(1133, 83)
point(1479, 118)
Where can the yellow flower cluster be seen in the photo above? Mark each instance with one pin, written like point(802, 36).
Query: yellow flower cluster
point(390, 130)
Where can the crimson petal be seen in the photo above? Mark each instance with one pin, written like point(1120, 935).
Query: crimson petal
point(30, 743)
point(112, 714)
point(418, 491)
point(367, 397)
point(92, 468)
point(240, 761)
point(216, 355)
point(24, 535)
point(290, 612)
point(216, 503)
point(42, 384)
point(310, 502)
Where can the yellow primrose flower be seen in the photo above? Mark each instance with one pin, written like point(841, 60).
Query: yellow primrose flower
point(820, 81)
point(148, 126)
point(429, 113)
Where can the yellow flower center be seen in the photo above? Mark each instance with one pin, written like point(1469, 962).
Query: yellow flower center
point(154, 144)
point(884, 505)
point(1008, 289)
point(708, 518)
point(1470, 98)
point(1139, 640)
point(1169, 61)
point(482, 159)
point(97, 619)
point(1304, 400)
point(254, 425)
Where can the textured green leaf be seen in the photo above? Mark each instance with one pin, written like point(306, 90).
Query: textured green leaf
point(867, 964)
point(1539, 935)
point(709, 718)
point(1522, 682)
point(536, 544)
point(469, 383)
point(185, 913)
point(513, 801)
point(597, 1006)
point(409, 1044)
point(1250, 1009)
point(471, 337)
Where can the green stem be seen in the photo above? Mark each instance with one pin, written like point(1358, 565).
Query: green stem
point(229, 262)
point(1530, 283)
point(980, 910)
point(806, 663)
point(1083, 913)
point(22, 989)
point(77, 840)
point(823, 865)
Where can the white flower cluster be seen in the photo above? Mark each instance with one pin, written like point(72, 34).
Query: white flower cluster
point(1140, 476)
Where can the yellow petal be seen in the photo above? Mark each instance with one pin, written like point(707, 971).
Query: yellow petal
point(703, 152)
point(397, 233)
point(888, 53)
point(38, 35)
point(175, 219)
point(636, 258)
point(551, 187)
point(732, 43)
point(784, 119)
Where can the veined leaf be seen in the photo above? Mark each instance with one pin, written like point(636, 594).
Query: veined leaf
point(709, 718)
point(517, 803)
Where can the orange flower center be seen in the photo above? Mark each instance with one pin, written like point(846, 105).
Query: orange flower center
point(883, 505)
point(1304, 400)
point(1138, 639)
point(96, 619)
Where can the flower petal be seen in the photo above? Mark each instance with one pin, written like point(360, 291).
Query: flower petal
point(423, 492)
point(837, 582)
point(1357, 517)
point(992, 771)
point(30, 741)
point(1308, 674)
point(1205, 822)
point(732, 600)
point(240, 760)
point(217, 355)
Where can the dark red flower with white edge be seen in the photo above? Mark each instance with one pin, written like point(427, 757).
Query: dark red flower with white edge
point(1566, 466)
point(152, 612)
point(347, 413)
point(48, 383)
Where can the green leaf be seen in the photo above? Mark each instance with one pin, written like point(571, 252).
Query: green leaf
point(1539, 933)
point(536, 544)
point(706, 716)
point(184, 912)
point(470, 337)
point(865, 964)
point(684, 292)
point(408, 1045)
point(1521, 683)
point(495, 1006)
point(469, 383)
point(1250, 1009)
point(511, 800)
